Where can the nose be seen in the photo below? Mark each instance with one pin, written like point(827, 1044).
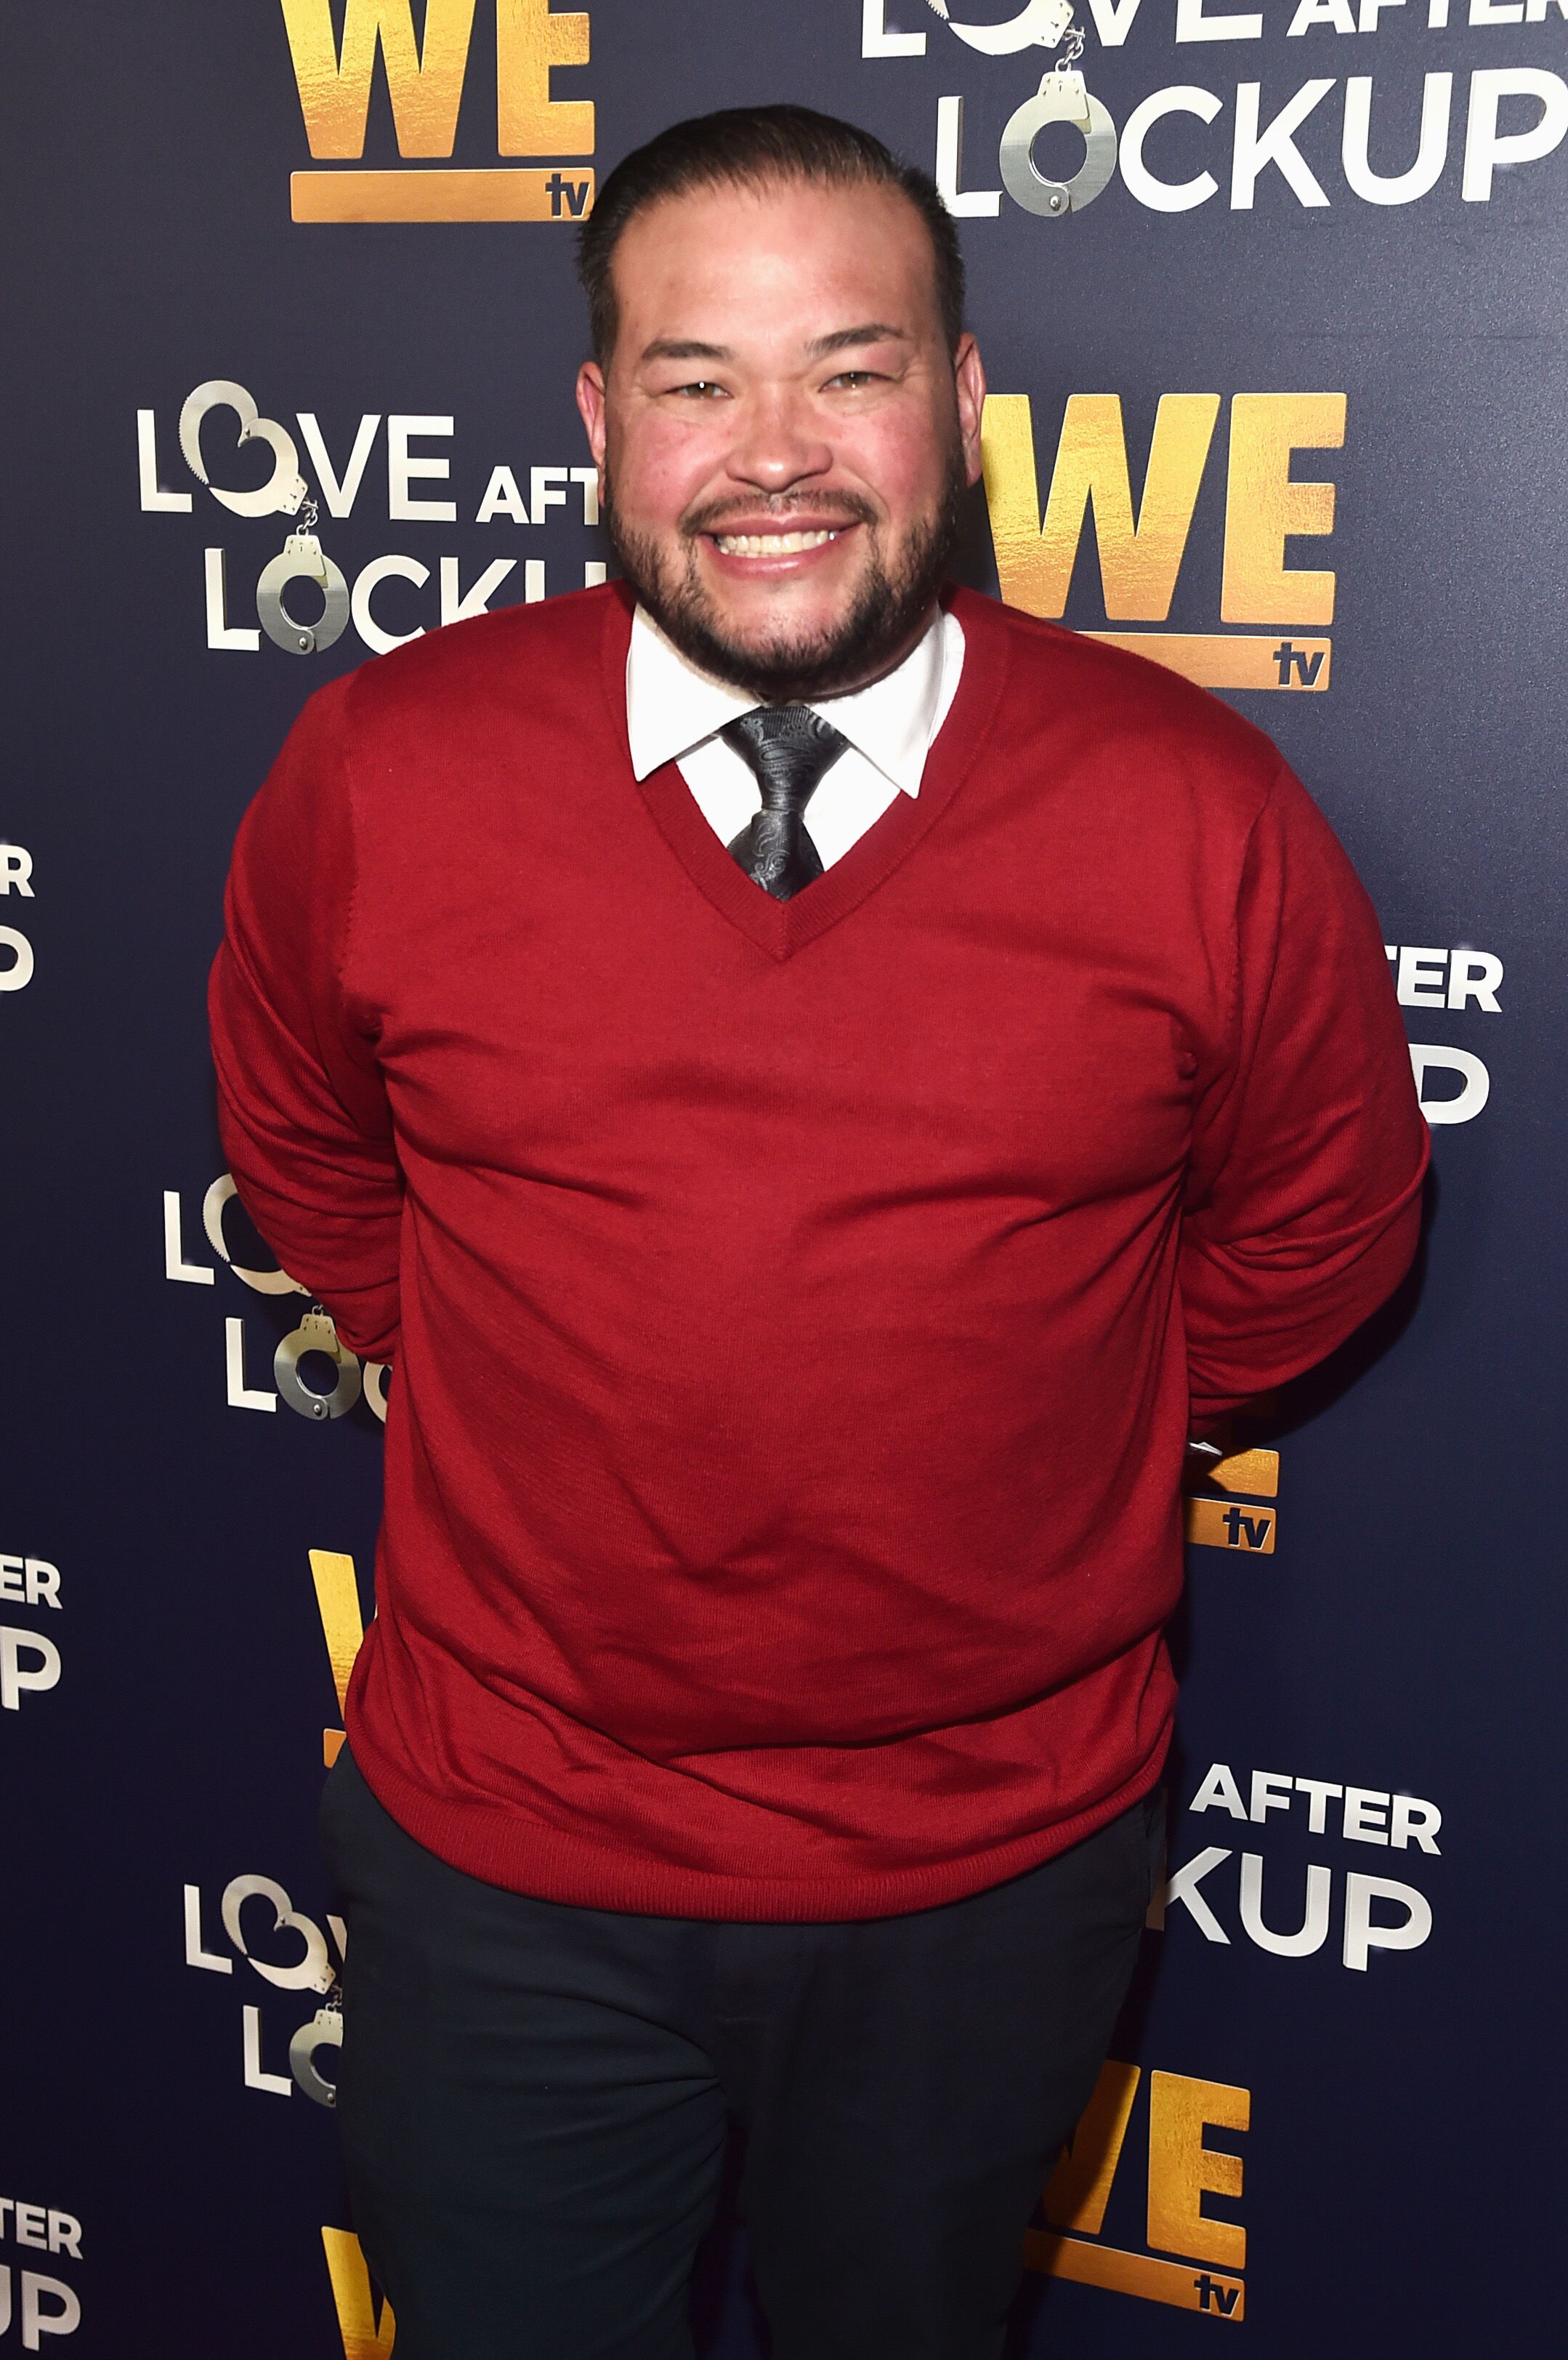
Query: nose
point(779, 444)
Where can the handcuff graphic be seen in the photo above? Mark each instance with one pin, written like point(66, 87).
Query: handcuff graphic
point(301, 557)
point(1062, 97)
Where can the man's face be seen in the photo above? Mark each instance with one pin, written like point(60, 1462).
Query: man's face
point(781, 432)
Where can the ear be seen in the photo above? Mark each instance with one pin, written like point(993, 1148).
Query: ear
point(590, 409)
point(969, 384)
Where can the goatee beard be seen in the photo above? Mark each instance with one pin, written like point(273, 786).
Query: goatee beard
point(883, 618)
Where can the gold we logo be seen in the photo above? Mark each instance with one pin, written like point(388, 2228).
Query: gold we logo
point(1180, 2170)
point(343, 1627)
point(365, 2337)
point(425, 81)
point(1141, 547)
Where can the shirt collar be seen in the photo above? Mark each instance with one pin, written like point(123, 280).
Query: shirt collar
point(671, 706)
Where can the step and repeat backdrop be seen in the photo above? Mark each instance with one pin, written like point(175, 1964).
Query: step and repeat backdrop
point(1272, 307)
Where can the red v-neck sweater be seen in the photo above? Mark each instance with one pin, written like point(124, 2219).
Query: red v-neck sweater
point(798, 1310)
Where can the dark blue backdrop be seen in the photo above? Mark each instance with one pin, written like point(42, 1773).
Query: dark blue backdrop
point(162, 1701)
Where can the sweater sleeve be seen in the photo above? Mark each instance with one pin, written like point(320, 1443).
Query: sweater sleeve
point(1304, 1202)
point(302, 1111)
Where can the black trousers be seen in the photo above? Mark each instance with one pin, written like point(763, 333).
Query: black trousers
point(535, 2099)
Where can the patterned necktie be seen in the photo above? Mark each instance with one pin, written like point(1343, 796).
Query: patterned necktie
point(790, 748)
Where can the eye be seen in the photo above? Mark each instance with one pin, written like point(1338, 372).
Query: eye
point(854, 379)
point(702, 389)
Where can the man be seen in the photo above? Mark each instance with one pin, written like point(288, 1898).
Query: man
point(806, 1238)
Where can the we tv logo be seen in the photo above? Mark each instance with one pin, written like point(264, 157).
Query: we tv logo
point(336, 45)
point(1142, 544)
point(1197, 2257)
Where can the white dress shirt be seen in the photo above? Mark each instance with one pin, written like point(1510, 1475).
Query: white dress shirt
point(674, 714)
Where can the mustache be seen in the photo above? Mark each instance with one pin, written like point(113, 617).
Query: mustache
point(835, 508)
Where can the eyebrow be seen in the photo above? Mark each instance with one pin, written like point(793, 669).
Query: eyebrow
point(871, 332)
point(874, 332)
point(671, 348)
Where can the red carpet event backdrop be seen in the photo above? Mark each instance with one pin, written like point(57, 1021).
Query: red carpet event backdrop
point(1273, 316)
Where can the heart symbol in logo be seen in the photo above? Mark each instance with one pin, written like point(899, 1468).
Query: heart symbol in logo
point(312, 1972)
point(286, 488)
point(1041, 23)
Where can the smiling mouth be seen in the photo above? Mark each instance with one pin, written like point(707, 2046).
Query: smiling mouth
point(773, 544)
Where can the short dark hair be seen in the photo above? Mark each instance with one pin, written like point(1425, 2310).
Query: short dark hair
point(748, 147)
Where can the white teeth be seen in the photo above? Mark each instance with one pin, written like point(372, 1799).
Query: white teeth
point(770, 544)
